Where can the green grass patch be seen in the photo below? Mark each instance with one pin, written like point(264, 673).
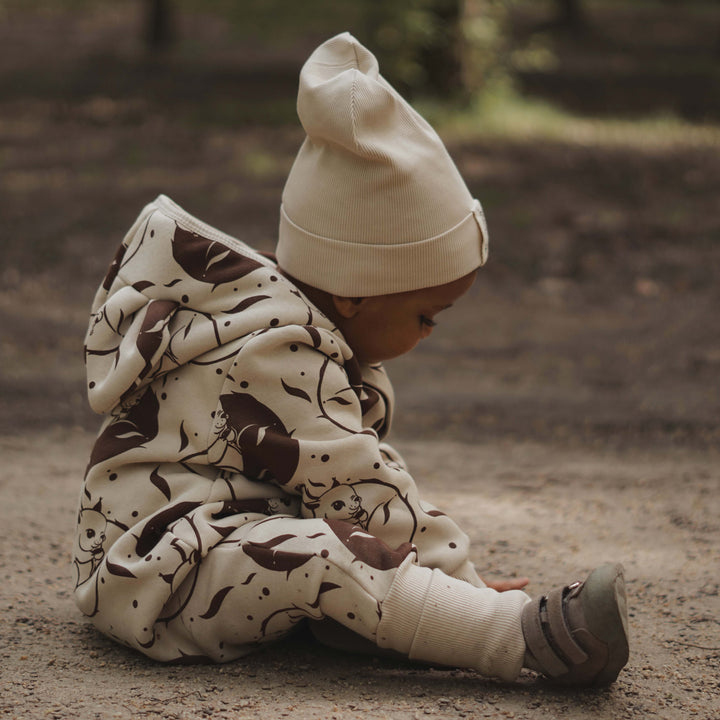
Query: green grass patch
point(501, 112)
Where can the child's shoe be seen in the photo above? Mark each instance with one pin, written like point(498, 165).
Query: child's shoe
point(578, 635)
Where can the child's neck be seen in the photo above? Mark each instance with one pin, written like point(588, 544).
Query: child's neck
point(321, 299)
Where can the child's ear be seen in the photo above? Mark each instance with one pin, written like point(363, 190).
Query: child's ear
point(348, 307)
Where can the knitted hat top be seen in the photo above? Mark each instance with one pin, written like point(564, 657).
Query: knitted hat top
point(373, 203)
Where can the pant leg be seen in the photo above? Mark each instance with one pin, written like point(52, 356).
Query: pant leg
point(268, 575)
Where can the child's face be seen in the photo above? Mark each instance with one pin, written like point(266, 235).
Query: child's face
point(385, 326)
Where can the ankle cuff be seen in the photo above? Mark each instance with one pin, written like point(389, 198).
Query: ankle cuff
point(403, 607)
point(435, 618)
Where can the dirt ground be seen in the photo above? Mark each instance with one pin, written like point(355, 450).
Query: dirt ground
point(581, 422)
point(537, 508)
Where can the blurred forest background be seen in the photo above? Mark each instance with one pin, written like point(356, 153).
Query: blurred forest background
point(589, 129)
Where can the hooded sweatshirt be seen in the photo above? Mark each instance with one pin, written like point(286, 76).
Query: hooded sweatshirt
point(228, 398)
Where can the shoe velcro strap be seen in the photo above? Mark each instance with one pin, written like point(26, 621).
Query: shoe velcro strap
point(560, 633)
point(537, 640)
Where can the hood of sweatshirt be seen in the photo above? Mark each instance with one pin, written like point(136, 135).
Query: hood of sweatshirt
point(179, 291)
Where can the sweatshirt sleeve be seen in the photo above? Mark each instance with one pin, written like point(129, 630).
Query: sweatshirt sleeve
point(289, 413)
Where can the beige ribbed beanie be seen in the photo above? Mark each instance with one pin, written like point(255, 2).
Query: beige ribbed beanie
point(373, 203)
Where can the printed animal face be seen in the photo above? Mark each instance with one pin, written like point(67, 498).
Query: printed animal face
point(285, 505)
point(91, 531)
point(349, 504)
point(340, 503)
point(220, 421)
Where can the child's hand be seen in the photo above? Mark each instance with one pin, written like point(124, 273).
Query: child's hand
point(504, 585)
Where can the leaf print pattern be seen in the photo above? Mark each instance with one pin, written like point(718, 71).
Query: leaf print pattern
point(207, 260)
point(368, 548)
point(246, 303)
point(237, 485)
point(217, 601)
point(135, 425)
point(270, 558)
point(265, 448)
point(295, 392)
point(114, 267)
point(153, 332)
point(160, 483)
point(158, 524)
point(118, 570)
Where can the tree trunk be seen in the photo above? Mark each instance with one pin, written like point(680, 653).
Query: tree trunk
point(570, 14)
point(158, 28)
point(441, 58)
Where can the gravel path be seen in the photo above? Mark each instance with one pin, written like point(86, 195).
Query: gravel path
point(537, 509)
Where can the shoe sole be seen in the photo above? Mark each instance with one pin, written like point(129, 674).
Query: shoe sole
point(604, 603)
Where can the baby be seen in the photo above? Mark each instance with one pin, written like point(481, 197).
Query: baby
point(240, 478)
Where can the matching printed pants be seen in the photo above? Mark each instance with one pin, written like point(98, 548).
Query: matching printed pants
point(270, 574)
